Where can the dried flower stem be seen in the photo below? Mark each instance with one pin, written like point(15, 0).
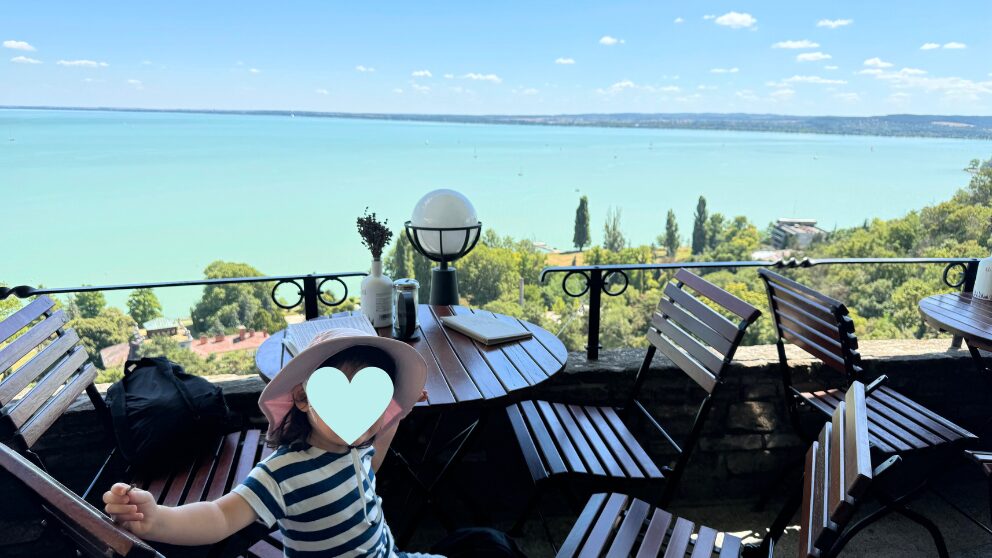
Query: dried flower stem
point(375, 235)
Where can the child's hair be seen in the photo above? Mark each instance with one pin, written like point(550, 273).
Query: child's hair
point(295, 427)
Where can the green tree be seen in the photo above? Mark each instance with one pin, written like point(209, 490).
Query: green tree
point(670, 240)
point(714, 230)
point(399, 260)
point(488, 274)
point(109, 327)
point(580, 238)
point(233, 305)
point(8, 305)
point(699, 228)
point(738, 239)
point(90, 304)
point(613, 239)
point(143, 305)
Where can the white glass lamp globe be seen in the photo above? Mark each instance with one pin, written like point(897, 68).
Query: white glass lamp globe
point(444, 209)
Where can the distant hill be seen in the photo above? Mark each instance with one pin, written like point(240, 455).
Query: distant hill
point(918, 125)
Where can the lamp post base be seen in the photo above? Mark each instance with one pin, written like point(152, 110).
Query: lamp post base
point(444, 286)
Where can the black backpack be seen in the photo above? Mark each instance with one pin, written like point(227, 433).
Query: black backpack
point(163, 416)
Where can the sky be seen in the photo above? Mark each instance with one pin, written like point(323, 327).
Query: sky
point(837, 57)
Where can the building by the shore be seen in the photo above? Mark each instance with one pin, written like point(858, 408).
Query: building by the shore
point(795, 233)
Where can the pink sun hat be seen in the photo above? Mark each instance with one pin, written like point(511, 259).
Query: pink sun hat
point(276, 400)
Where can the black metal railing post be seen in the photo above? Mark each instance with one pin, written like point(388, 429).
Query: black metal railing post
point(595, 296)
point(310, 294)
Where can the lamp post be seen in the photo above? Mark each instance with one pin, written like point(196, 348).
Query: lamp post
point(444, 228)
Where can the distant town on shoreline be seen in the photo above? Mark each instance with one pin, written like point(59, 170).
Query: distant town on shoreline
point(901, 125)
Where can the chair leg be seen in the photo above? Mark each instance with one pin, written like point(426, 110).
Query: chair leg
point(990, 499)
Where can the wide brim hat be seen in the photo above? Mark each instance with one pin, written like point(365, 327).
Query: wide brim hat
point(276, 400)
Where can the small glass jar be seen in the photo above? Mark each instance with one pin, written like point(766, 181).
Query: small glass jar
point(405, 297)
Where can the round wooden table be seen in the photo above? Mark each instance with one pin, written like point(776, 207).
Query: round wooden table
point(460, 370)
point(962, 315)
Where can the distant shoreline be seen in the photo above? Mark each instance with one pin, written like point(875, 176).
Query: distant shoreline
point(895, 125)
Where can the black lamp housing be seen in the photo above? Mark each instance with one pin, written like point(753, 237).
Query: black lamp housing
point(444, 282)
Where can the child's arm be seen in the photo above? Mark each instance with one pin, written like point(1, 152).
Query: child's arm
point(192, 524)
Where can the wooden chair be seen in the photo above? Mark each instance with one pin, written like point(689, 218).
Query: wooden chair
point(821, 326)
point(591, 443)
point(984, 460)
point(838, 477)
point(92, 532)
point(48, 362)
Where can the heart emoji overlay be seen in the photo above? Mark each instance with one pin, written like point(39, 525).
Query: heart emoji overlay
point(349, 408)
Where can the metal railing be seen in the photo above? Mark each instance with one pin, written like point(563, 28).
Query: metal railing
point(310, 288)
point(603, 279)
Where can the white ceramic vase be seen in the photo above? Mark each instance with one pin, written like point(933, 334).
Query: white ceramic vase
point(376, 299)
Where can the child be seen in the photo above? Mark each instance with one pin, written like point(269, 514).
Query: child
point(317, 487)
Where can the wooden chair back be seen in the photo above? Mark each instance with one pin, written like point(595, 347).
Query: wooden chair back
point(688, 329)
point(47, 363)
point(815, 323)
point(838, 472)
point(93, 532)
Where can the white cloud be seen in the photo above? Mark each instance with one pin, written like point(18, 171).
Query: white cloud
point(724, 70)
point(929, 46)
point(419, 88)
point(912, 71)
point(813, 57)
point(736, 20)
point(449, 76)
point(565, 61)
point(482, 77)
point(783, 94)
point(796, 44)
point(83, 63)
point(136, 83)
point(618, 87)
point(848, 97)
point(398, 90)
point(871, 71)
point(529, 91)
point(688, 98)
point(953, 88)
point(363, 69)
point(747, 95)
point(709, 17)
point(669, 89)
point(255, 70)
point(814, 79)
point(626, 84)
point(321, 91)
point(877, 63)
point(831, 67)
point(707, 87)
point(146, 62)
point(834, 23)
point(955, 45)
point(610, 41)
point(422, 73)
point(18, 45)
point(24, 60)
point(679, 20)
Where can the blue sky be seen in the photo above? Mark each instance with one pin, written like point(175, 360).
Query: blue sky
point(836, 57)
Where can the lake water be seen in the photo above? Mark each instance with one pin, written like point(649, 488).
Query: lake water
point(114, 197)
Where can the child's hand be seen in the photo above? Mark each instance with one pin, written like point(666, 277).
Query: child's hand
point(423, 396)
point(135, 510)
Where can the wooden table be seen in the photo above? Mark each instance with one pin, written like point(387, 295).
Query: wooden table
point(460, 370)
point(963, 315)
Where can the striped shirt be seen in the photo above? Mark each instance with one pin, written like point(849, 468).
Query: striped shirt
point(312, 494)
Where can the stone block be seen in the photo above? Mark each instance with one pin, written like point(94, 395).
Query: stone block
point(753, 416)
point(743, 442)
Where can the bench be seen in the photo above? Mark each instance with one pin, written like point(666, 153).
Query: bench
point(45, 360)
point(592, 444)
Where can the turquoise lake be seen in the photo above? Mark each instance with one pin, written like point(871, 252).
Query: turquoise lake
point(114, 197)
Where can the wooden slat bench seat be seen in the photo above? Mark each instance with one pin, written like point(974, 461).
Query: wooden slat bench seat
point(822, 327)
point(984, 461)
point(838, 474)
point(593, 444)
point(47, 363)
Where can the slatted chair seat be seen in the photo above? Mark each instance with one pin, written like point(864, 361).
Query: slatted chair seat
point(559, 439)
point(44, 370)
point(592, 444)
point(617, 525)
point(984, 461)
point(896, 424)
point(838, 474)
point(822, 327)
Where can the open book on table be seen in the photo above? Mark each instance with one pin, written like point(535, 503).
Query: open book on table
point(299, 336)
point(486, 329)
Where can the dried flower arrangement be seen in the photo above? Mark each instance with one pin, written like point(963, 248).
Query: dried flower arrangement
point(375, 235)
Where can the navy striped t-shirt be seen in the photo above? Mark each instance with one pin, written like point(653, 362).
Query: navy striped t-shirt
point(313, 495)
